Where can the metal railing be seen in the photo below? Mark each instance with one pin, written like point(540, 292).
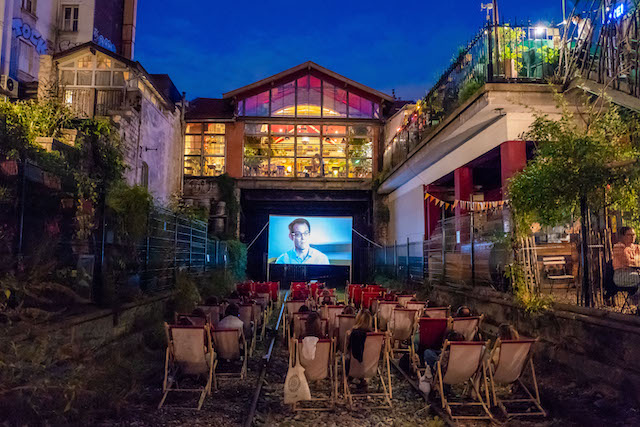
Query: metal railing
point(498, 53)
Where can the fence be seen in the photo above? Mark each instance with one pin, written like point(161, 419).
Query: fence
point(498, 53)
point(38, 223)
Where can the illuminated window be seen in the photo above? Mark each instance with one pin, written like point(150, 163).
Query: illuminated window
point(360, 107)
point(204, 149)
point(283, 99)
point(334, 101)
point(308, 151)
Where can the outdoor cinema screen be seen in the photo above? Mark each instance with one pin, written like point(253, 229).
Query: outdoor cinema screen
point(312, 240)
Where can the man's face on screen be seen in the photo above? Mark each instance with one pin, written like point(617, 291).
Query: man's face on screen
point(300, 236)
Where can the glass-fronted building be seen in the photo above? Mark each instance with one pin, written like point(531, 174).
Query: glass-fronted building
point(304, 123)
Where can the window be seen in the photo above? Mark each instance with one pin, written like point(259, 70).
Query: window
point(26, 59)
point(308, 151)
point(359, 107)
point(70, 18)
point(335, 101)
point(29, 6)
point(144, 175)
point(204, 149)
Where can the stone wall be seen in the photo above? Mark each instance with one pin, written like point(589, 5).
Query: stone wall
point(592, 344)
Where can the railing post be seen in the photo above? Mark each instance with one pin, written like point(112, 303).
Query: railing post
point(175, 246)
point(395, 257)
point(444, 250)
point(472, 240)
point(206, 247)
point(408, 273)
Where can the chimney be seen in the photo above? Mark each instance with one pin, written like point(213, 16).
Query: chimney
point(129, 27)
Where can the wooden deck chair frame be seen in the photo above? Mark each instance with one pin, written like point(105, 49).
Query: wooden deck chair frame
point(263, 315)
point(170, 363)
point(411, 349)
point(403, 299)
point(291, 306)
point(532, 399)
point(347, 325)
point(417, 305)
point(475, 370)
point(387, 393)
point(332, 374)
point(253, 327)
point(244, 352)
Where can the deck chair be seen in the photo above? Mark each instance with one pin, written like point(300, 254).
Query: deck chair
point(514, 355)
point(438, 312)
point(431, 334)
point(465, 361)
point(230, 345)
point(401, 328)
point(368, 297)
point(345, 323)
point(330, 313)
point(260, 316)
point(194, 320)
point(274, 290)
point(383, 315)
point(212, 312)
point(419, 306)
point(404, 299)
point(375, 345)
point(189, 352)
point(250, 327)
point(467, 326)
point(291, 306)
point(318, 369)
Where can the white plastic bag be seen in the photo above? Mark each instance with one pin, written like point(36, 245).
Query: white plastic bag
point(424, 382)
point(296, 387)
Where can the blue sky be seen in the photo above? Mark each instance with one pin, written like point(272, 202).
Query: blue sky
point(211, 47)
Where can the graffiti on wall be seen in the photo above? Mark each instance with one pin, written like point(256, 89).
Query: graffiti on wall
point(33, 36)
point(100, 40)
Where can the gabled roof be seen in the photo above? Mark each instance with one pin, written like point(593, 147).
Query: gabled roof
point(163, 91)
point(309, 65)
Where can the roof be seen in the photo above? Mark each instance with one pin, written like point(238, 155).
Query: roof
point(310, 66)
point(163, 91)
point(209, 108)
point(165, 85)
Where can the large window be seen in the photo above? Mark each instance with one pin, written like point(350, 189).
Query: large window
point(204, 149)
point(308, 96)
point(308, 151)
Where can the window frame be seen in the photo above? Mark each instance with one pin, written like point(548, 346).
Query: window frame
point(29, 6)
point(73, 21)
point(201, 136)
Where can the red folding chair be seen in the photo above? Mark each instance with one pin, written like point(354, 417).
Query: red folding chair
point(431, 333)
point(274, 289)
point(367, 297)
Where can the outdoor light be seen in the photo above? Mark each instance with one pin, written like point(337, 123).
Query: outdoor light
point(539, 30)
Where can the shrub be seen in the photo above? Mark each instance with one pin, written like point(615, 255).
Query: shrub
point(187, 296)
point(237, 259)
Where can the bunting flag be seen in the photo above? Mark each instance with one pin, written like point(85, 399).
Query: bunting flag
point(466, 205)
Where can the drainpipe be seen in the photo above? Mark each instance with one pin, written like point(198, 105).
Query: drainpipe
point(6, 18)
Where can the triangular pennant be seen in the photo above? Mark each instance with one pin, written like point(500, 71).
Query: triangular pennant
point(426, 196)
point(455, 203)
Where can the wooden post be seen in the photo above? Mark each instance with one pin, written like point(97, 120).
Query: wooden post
point(472, 240)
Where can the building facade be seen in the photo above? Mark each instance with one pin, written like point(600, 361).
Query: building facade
point(31, 28)
point(146, 108)
point(305, 141)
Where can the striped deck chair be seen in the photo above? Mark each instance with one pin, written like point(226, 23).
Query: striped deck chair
point(465, 361)
point(230, 345)
point(189, 352)
point(376, 345)
point(345, 323)
point(437, 312)
point(467, 326)
point(383, 315)
point(512, 359)
point(317, 369)
point(401, 328)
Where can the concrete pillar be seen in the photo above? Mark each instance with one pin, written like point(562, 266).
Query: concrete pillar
point(513, 158)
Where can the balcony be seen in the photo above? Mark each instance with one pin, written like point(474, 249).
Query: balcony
point(91, 102)
point(497, 54)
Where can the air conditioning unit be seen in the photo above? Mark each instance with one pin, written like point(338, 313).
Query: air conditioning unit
point(10, 85)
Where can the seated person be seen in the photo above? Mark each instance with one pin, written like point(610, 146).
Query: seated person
point(349, 309)
point(231, 319)
point(302, 309)
point(506, 332)
point(313, 326)
point(211, 301)
point(198, 317)
point(356, 338)
point(463, 311)
point(626, 260)
point(431, 356)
